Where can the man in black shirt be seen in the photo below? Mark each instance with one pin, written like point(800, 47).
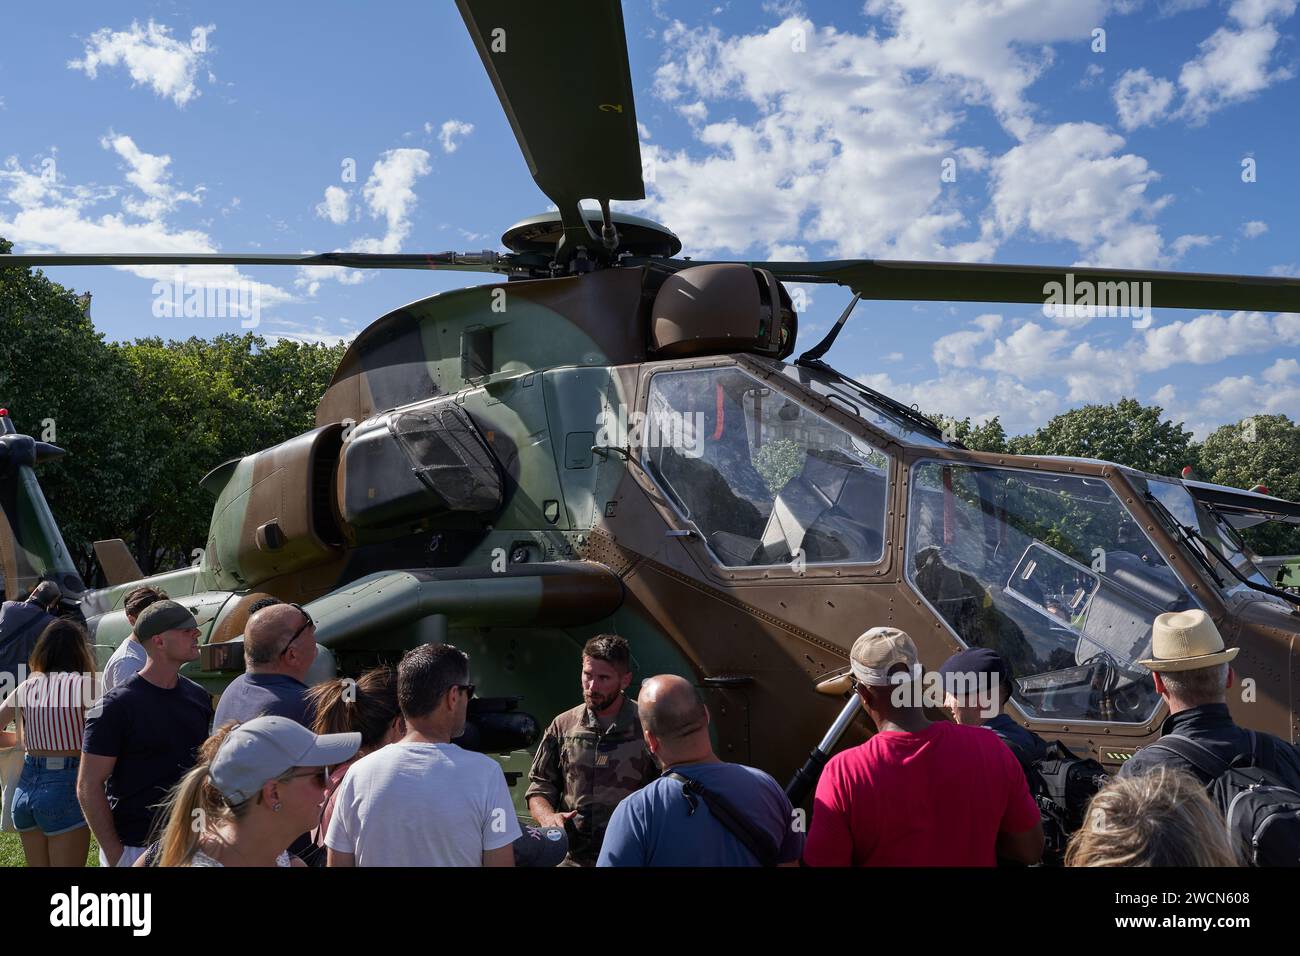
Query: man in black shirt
point(143, 736)
point(1192, 674)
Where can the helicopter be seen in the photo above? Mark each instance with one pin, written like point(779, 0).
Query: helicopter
point(616, 438)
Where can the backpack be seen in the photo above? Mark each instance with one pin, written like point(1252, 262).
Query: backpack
point(1261, 811)
point(1061, 784)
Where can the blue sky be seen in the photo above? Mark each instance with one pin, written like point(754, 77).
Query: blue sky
point(780, 130)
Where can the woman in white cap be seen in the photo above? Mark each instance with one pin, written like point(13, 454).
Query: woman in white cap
point(260, 788)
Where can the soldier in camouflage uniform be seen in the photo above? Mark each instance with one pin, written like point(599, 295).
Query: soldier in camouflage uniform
point(593, 755)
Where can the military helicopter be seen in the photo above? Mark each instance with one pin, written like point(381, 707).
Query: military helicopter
point(615, 438)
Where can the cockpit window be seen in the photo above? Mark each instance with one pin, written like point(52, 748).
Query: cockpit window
point(859, 403)
point(766, 480)
point(1189, 512)
point(1051, 571)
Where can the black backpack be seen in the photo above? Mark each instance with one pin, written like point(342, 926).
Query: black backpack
point(1061, 783)
point(1261, 811)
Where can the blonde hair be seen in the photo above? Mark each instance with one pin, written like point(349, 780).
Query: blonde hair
point(194, 806)
point(1160, 818)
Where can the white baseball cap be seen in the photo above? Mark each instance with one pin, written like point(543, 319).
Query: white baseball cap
point(268, 747)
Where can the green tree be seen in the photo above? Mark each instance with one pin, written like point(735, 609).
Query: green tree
point(60, 381)
point(213, 400)
point(1262, 449)
point(990, 436)
point(778, 461)
point(1126, 432)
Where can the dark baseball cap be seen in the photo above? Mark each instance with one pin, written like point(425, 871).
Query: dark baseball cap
point(45, 593)
point(163, 616)
point(964, 669)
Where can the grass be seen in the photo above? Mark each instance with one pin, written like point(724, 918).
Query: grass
point(11, 851)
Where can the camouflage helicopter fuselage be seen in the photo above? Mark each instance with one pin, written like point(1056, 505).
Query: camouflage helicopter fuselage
point(467, 481)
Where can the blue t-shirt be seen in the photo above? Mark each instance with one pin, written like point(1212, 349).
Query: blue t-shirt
point(654, 826)
point(155, 734)
point(264, 695)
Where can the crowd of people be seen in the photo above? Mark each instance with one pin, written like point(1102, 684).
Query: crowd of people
point(367, 772)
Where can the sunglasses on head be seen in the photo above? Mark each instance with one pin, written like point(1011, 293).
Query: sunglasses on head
point(307, 622)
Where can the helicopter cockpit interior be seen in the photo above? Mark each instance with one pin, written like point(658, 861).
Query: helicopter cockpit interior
point(766, 480)
point(1052, 571)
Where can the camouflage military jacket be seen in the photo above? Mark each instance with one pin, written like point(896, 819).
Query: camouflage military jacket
point(578, 767)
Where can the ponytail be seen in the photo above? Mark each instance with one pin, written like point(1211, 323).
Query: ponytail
point(193, 803)
point(367, 705)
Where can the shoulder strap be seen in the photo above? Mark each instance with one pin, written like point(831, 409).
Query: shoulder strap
point(725, 813)
point(1196, 754)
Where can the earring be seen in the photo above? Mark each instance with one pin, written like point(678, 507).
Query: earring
point(276, 808)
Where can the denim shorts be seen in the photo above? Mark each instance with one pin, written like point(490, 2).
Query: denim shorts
point(46, 796)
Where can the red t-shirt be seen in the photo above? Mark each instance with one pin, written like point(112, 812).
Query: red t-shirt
point(936, 798)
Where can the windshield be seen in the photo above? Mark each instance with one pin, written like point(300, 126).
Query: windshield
point(1207, 522)
point(765, 480)
point(1054, 573)
point(859, 403)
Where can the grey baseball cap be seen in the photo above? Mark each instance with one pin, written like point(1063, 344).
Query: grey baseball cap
point(163, 616)
point(264, 748)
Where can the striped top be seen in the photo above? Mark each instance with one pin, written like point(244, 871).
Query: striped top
point(54, 710)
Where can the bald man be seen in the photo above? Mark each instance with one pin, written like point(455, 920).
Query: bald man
point(702, 811)
point(279, 649)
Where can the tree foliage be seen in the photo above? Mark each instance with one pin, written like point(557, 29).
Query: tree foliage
point(1126, 432)
point(1262, 449)
point(143, 421)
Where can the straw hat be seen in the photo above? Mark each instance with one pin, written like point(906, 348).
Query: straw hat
point(1185, 641)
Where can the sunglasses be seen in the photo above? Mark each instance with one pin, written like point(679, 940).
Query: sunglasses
point(307, 622)
point(321, 775)
point(467, 688)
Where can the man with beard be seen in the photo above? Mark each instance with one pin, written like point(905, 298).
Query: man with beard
point(593, 755)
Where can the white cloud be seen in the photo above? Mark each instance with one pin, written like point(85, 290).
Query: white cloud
point(1234, 397)
point(957, 349)
point(1141, 99)
point(1180, 246)
point(1281, 371)
point(995, 48)
point(1210, 338)
point(148, 173)
point(390, 196)
point(151, 55)
point(980, 397)
point(335, 206)
point(1070, 184)
point(452, 132)
point(53, 216)
point(846, 149)
point(1234, 61)
point(316, 333)
point(1254, 228)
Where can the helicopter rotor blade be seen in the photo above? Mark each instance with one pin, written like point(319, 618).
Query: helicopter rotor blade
point(486, 261)
point(561, 71)
point(987, 282)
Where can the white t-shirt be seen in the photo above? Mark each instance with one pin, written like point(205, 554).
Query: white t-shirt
point(128, 660)
point(419, 804)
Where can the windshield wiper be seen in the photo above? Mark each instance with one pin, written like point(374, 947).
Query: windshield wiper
point(865, 393)
point(1190, 534)
point(1184, 534)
